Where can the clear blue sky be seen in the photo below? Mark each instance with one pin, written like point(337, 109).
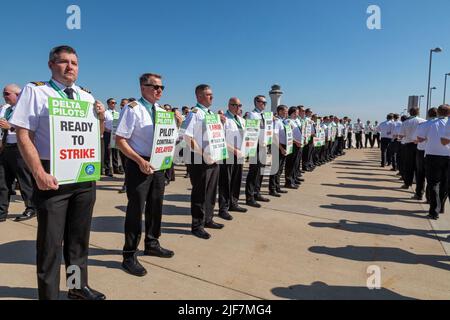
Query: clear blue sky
point(320, 52)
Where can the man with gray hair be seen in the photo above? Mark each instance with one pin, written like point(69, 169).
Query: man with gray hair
point(12, 165)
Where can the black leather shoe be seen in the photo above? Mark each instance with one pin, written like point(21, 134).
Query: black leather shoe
point(85, 293)
point(159, 252)
point(237, 209)
point(123, 190)
point(281, 191)
point(301, 179)
point(291, 186)
point(214, 225)
point(274, 194)
point(432, 217)
point(417, 197)
point(3, 219)
point(404, 186)
point(261, 199)
point(27, 215)
point(226, 216)
point(253, 203)
point(133, 266)
point(201, 233)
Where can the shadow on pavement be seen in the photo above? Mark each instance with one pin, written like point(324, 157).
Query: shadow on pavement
point(375, 210)
point(384, 254)
point(371, 198)
point(322, 291)
point(380, 229)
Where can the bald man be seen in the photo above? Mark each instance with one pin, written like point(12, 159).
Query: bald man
point(12, 165)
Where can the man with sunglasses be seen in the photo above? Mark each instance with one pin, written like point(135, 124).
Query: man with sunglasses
point(145, 187)
point(204, 172)
point(254, 176)
point(64, 212)
point(12, 165)
point(231, 170)
point(110, 115)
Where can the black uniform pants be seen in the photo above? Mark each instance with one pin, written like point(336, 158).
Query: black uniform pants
point(437, 178)
point(275, 180)
point(292, 164)
point(204, 179)
point(349, 140)
point(254, 178)
point(229, 185)
point(145, 194)
point(409, 162)
point(394, 149)
point(13, 166)
point(420, 172)
point(376, 137)
point(108, 152)
point(368, 140)
point(64, 222)
point(359, 143)
point(385, 145)
point(305, 153)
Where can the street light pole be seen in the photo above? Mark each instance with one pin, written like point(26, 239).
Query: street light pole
point(445, 85)
point(437, 50)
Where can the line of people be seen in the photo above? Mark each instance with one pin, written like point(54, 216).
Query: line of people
point(419, 150)
point(290, 142)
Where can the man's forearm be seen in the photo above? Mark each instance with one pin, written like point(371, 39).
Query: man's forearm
point(127, 150)
point(28, 151)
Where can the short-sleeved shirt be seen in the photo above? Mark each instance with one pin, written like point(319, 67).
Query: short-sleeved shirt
point(433, 131)
point(11, 138)
point(385, 129)
point(136, 125)
point(279, 130)
point(109, 118)
point(296, 129)
point(234, 130)
point(195, 126)
point(31, 111)
point(420, 133)
point(408, 129)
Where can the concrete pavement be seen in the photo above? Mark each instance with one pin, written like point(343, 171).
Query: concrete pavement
point(313, 243)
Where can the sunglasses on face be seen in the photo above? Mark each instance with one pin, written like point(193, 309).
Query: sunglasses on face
point(7, 94)
point(236, 105)
point(263, 102)
point(155, 87)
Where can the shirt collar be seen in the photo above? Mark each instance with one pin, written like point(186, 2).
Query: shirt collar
point(62, 87)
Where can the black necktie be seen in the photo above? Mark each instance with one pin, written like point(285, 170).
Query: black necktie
point(69, 92)
point(238, 122)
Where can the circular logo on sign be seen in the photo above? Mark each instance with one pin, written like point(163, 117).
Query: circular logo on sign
point(90, 170)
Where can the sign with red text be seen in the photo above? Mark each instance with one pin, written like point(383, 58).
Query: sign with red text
point(165, 138)
point(216, 138)
point(74, 141)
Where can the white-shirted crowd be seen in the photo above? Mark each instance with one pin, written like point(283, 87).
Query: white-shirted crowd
point(299, 142)
point(419, 150)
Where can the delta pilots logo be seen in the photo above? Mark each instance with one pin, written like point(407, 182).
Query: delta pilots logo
point(90, 170)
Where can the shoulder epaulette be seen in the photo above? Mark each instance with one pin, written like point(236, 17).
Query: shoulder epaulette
point(38, 83)
point(86, 90)
point(133, 104)
point(194, 110)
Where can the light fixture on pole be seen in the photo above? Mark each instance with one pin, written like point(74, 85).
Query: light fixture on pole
point(445, 85)
point(437, 50)
point(431, 91)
